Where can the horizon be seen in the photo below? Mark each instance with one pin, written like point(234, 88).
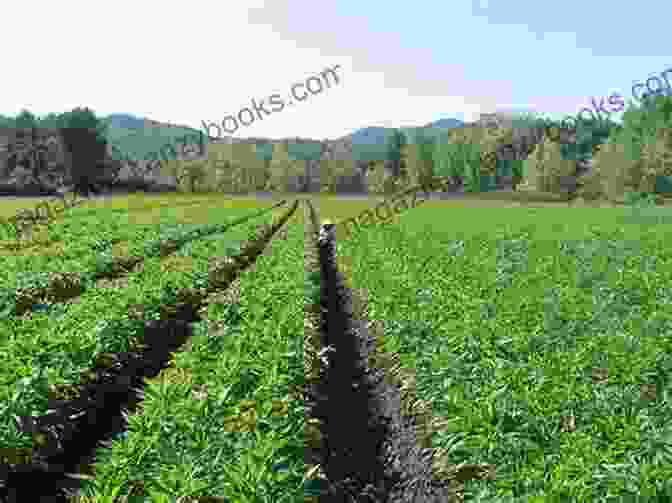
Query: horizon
point(395, 68)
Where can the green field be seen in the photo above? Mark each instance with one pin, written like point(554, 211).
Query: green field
point(242, 405)
point(540, 335)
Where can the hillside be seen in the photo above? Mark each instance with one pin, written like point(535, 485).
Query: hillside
point(140, 136)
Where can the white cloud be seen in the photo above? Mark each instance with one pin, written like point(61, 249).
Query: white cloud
point(188, 62)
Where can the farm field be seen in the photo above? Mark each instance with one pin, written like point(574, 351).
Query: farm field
point(49, 348)
point(221, 420)
point(540, 335)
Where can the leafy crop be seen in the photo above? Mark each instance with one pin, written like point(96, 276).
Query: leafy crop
point(543, 348)
point(221, 420)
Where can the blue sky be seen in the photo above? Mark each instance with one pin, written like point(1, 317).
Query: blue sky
point(401, 64)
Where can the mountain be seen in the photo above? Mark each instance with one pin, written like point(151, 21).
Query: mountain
point(447, 123)
point(379, 135)
point(124, 121)
point(369, 135)
point(139, 136)
point(370, 143)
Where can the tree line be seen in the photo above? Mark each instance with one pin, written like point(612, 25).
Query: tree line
point(83, 135)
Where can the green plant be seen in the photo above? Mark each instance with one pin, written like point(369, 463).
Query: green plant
point(545, 168)
point(395, 143)
point(639, 199)
point(538, 347)
point(26, 120)
point(450, 158)
point(84, 137)
point(424, 158)
point(472, 182)
point(647, 145)
point(589, 136)
point(220, 420)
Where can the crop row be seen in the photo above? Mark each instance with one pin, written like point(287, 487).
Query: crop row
point(54, 347)
point(35, 287)
point(222, 419)
point(380, 452)
point(92, 229)
point(202, 281)
point(36, 231)
point(543, 346)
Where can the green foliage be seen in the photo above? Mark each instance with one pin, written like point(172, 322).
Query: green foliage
point(137, 144)
point(379, 182)
point(528, 299)
point(395, 143)
point(304, 151)
point(457, 158)
point(83, 118)
point(516, 167)
point(633, 198)
point(609, 173)
point(656, 159)
point(375, 179)
point(525, 120)
point(663, 185)
point(265, 151)
point(84, 137)
point(452, 158)
point(26, 120)
point(228, 168)
point(636, 157)
point(643, 121)
point(80, 117)
point(471, 154)
point(472, 178)
point(423, 152)
point(545, 167)
point(7, 121)
point(56, 351)
point(589, 135)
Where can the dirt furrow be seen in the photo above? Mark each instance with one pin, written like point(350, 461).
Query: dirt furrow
point(369, 437)
point(66, 439)
point(66, 286)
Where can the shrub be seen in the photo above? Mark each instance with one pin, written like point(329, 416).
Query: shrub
point(453, 156)
point(469, 154)
point(589, 136)
point(419, 159)
point(376, 179)
point(636, 157)
point(611, 173)
point(656, 159)
point(545, 169)
point(639, 199)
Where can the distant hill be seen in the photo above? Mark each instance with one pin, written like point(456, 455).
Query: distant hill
point(124, 121)
point(369, 135)
point(445, 124)
point(379, 135)
point(140, 136)
point(370, 143)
